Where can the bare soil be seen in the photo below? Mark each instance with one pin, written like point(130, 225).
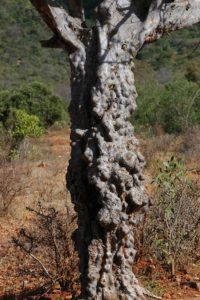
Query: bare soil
point(18, 273)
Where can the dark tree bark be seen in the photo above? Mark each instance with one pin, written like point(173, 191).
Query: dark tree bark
point(105, 169)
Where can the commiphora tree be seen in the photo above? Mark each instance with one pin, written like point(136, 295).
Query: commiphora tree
point(105, 169)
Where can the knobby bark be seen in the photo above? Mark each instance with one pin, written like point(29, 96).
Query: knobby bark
point(105, 170)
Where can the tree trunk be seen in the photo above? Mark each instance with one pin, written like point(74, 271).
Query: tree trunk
point(104, 174)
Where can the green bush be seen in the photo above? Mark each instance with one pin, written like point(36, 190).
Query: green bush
point(21, 125)
point(36, 99)
point(24, 125)
point(173, 107)
point(148, 111)
point(180, 106)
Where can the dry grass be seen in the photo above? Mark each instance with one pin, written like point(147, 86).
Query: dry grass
point(190, 148)
point(13, 183)
point(33, 176)
point(154, 147)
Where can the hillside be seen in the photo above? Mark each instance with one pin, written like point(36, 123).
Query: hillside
point(23, 60)
point(175, 54)
point(21, 57)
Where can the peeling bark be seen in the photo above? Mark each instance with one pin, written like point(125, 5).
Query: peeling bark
point(105, 170)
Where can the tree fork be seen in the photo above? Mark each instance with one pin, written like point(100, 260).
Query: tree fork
point(105, 170)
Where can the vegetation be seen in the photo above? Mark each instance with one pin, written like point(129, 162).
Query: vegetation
point(171, 55)
point(175, 58)
point(171, 233)
point(174, 106)
point(168, 82)
point(22, 126)
point(27, 111)
point(169, 98)
point(22, 59)
point(13, 182)
point(51, 231)
point(36, 99)
point(25, 125)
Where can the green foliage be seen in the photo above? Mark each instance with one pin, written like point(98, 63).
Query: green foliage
point(4, 96)
point(173, 52)
point(148, 110)
point(174, 107)
point(36, 99)
point(172, 172)
point(153, 287)
point(21, 126)
point(180, 106)
point(24, 125)
point(22, 59)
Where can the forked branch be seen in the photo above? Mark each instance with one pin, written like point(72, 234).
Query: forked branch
point(169, 15)
point(67, 29)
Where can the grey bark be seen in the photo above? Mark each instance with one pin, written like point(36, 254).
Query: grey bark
point(105, 170)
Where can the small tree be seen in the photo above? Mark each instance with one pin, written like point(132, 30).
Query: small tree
point(172, 228)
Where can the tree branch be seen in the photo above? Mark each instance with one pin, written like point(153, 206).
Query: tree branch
point(168, 15)
point(64, 26)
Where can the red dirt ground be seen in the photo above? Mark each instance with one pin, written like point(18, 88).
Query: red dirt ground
point(13, 262)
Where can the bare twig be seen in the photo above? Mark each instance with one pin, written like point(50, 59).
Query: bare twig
point(17, 243)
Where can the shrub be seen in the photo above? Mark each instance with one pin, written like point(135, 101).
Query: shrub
point(35, 99)
point(21, 125)
point(148, 113)
point(12, 183)
point(180, 106)
point(173, 107)
point(171, 232)
point(48, 242)
point(24, 125)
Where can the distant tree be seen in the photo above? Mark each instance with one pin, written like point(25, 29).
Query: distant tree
point(104, 175)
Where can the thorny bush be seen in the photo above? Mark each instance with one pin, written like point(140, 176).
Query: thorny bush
point(12, 183)
point(171, 233)
point(49, 244)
